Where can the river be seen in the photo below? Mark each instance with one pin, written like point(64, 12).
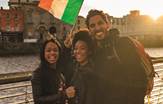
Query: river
point(10, 64)
point(155, 52)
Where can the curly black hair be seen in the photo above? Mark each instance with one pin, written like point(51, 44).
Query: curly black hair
point(85, 36)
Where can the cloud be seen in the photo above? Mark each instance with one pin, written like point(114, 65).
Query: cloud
point(4, 4)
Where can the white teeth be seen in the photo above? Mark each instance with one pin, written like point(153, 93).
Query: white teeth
point(52, 58)
point(99, 33)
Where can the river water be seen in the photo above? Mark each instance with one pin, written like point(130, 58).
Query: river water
point(21, 63)
point(155, 52)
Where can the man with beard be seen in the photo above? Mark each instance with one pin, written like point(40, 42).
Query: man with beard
point(119, 67)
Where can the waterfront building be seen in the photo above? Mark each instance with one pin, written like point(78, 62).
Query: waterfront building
point(141, 27)
point(32, 22)
point(11, 25)
point(37, 21)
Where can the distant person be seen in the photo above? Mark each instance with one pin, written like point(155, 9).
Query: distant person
point(47, 80)
point(53, 31)
point(119, 67)
point(41, 32)
point(82, 86)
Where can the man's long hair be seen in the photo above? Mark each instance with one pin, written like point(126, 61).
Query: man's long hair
point(94, 12)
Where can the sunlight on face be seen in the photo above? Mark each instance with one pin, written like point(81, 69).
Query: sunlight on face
point(98, 27)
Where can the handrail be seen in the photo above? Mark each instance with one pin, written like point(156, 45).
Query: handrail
point(23, 102)
point(15, 77)
point(19, 82)
point(21, 91)
point(157, 59)
point(26, 76)
point(14, 95)
point(12, 87)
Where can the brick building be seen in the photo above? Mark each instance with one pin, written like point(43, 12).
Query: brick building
point(11, 25)
point(37, 21)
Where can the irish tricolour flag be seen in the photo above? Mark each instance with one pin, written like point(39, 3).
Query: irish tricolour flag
point(65, 10)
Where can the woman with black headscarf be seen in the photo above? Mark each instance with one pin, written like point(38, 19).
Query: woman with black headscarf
point(47, 80)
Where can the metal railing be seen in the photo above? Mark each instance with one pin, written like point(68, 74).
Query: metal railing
point(25, 95)
point(15, 77)
point(15, 88)
point(156, 96)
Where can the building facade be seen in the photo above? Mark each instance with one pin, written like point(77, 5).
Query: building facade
point(32, 23)
point(141, 27)
point(11, 25)
point(38, 21)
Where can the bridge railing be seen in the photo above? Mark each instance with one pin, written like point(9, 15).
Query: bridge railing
point(15, 88)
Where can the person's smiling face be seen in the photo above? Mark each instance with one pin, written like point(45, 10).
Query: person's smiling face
point(98, 27)
point(81, 52)
point(51, 52)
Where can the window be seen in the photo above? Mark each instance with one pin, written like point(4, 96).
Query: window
point(78, 21)
point(7, 16)
point(16, 17)
point(117, 20)
point(0, 25)
point(78, 27)
point(113, 21)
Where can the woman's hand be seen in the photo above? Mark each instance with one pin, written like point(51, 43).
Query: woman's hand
point(68, 41)
point(70, 92)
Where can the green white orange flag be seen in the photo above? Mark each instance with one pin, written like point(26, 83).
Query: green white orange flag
point(65, 10)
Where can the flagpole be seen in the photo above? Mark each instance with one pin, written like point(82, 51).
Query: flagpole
point(70, 36)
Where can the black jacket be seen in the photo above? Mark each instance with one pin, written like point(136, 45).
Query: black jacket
point(84, 80)
point(121, 75)
point(45, 85)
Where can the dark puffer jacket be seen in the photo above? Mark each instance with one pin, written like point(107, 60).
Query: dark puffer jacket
point(84, 80)
point(45, 85)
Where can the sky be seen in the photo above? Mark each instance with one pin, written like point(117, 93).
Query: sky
point(119, 8)
point(3, 3)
